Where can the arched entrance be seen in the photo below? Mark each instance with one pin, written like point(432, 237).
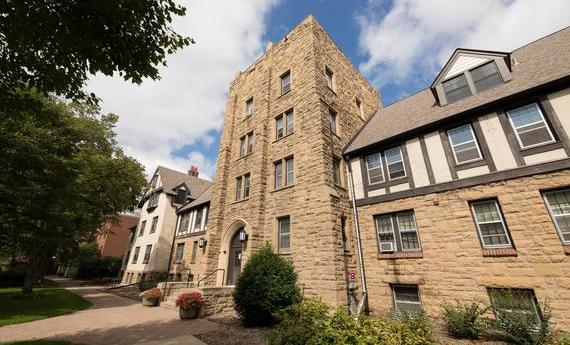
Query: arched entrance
point(234, 259)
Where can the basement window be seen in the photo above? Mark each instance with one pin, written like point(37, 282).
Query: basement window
point(509, 304)
point(406, 298)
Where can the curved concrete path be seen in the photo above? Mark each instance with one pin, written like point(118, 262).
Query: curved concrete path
point(112, 320)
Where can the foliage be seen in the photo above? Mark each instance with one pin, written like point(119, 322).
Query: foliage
point(153, 293)
point(62, 175)
point(465, 321)
point(188, 300)
point(97, 267)
point(314, 323)
point(563, 341)
point(267, 284)
point(12, 277)
point(55, 301)
point(71, 39)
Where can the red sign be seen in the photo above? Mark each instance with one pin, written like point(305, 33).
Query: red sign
point(351, 276)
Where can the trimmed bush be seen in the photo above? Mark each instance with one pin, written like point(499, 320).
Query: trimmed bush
point(12, 277)
point(465, 321)
point(267, 284)
point(96, 267)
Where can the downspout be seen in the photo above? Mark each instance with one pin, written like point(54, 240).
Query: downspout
point(171, 251)
point(362, 303)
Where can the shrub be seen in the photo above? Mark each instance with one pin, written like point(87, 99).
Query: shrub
point(313, 323)
point(188, 300)
point(96, 267)
point(268, 283)
point(464, 321)
point(153, 293)
point(12, 277)
point(563, 341)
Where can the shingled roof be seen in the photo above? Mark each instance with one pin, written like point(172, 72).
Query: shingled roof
point(204, 198)
point(172, 179)
point(537, 64)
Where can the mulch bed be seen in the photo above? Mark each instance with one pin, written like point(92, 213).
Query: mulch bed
point(233, 332)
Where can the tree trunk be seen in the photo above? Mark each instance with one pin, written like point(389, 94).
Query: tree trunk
point(33, 269)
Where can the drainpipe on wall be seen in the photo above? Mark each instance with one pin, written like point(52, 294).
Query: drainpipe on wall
point(363, 298)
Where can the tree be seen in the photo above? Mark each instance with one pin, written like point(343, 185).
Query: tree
point(52, 45)
point(62, 175)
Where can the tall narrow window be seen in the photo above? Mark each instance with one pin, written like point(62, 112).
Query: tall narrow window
point(395, 163)
point(249, 107)
point(179, 254)
point(153, 200)
point(530, 126)
point(284, 236)
point(290, 172)
point(559, 207)
point(336, 171)
point(329, 77)
point(456, 88)
point(289, 121)
point(143, 225)
point(518, 304)
point(286, 82)
point(147, 252)
point(397, 232)
point(464, 144)
point(183, 224)
point(194, 252)
point(490, 224)
point(406, 298)
point(374, 168)
point(359, 108)
point(246, 186)
point(136, 255)
point(238, 188)
point(153, 225)
point(486, 76)
point(198, 220)
point(242, 146)
point(279, 132)
point(332, 121)
point(278, 174)
point(250, 143)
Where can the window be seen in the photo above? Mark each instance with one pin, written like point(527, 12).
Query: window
point(246, 186)
point(278, 174)
point(284, 178)
point(246, 144)
point(456, 88)
point(249, 107)
point(206, 211)
point(558, 203)
point(147, 251)
point(490, 224)
point(153, 200)
point(279, 132)
point(183, 224)
point(179, 254)
point(329, 77)
point(464, 144)
point(242, 146)
point(359, 108)
point(250, 143)
point(286, 82)
point(194, 252)
point(284, 229)
point(485, 77)
point(153, 225)
point(397, 232)
point(136, 255)
point(198, 220)
point(406, 298)
point(238, 188)
point(395, 163)
point(374, 168)
point(332, 120)
point(289, 125)
point(336, 171)
point(143, 225)
point(290, 173)
point(530, 126)
point(282, 130)
point(519, 304)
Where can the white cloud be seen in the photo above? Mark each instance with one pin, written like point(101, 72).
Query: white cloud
point(183, 107)
point(410, 41)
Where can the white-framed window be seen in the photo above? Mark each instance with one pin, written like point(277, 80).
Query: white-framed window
point(329, 75)
point(179, 254)
point(238, 187)
point(249, 141)
point(278, 174)
point(284, 124)
point(558, 203)
point(406, 298)
point(374, 168)
point(529, 126)
point(464, 144)
point(518, 304)
point(284, 173)
point(289, 124)
point(284, 234)
point(336, 171)
point(279, 131)
point(249, 107)
point(183, 223)
point(397, 232)
point(246, 185)
point(153, 225)
point(198, 220)
point(332, 121)
point(395, 163)
point(147, 252)
point(290, 171)
point(286, 82)
point(490, 224)
point(242, 146)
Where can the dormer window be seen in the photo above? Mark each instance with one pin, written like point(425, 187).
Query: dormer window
point(486, 77)
point(456, 88)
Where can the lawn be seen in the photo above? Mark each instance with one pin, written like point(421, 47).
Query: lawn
point(54, 302)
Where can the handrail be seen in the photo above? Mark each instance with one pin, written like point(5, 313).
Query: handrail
point(214, 271)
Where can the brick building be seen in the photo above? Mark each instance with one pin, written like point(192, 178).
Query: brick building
point(113, 237)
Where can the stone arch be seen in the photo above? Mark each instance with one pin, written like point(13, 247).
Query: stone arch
point(225, 244)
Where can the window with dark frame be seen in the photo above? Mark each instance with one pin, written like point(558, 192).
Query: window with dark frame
point(184, 222)
point(198, 220)
point(179, 254)
point(456, 88)
point(286, 82)
point(246, 185)
point(238, 187)
point(464, 144)
point(397, 232)
point(194, 252)
point(336, 171)
point(374, 168)
point(395, 163)
point(518, 303)
point(284, 234)
point(147, 252)
point(249, 107)
point(242, 146)
point(406, 298)
point(143, 225)
point(153, 200)
point(558, 203)
point(530, 126)
point(332, 121)
point(136, 255)
point(153, 225)
point(329, 77)
point(490, 223)
point(486, 76)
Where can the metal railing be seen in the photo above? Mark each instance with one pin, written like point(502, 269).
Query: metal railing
point(211, 273)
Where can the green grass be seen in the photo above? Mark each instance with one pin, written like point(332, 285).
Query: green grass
point(41, 342)
point(56, 301)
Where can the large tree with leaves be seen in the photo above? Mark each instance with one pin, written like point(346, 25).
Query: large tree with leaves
point(53, 45)
point(62, 175)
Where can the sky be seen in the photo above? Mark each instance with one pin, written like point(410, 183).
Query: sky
point(399, 45)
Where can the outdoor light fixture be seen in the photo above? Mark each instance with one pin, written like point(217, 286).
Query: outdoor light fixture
point(242, 235)
point(202, 242)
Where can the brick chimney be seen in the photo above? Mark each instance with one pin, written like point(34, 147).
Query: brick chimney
point(193, 171)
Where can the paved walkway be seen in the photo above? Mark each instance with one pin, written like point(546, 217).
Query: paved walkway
point(112, 320)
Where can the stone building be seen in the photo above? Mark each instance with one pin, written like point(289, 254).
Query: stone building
point(463, 189)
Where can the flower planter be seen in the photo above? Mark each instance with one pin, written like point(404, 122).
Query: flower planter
point(150, 302)
point(188, 314)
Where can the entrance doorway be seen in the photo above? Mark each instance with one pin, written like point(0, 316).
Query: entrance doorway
point(234, 259)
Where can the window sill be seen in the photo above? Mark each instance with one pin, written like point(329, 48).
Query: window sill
point(247, 118)
point(284, 94)
point(244, 156)
point(283, 137)
point(469, 165)
point(191, 234)
point(340, 186)
point(542, 148)
point(239, 201)
point(567, 249)
point(401, 255)
point(499, 252)
point(282, 188)
point(288, 253)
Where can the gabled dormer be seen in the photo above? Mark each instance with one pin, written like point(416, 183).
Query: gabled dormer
point(469, 72)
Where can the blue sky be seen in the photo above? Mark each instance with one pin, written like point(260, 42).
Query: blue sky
point(399, 45)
